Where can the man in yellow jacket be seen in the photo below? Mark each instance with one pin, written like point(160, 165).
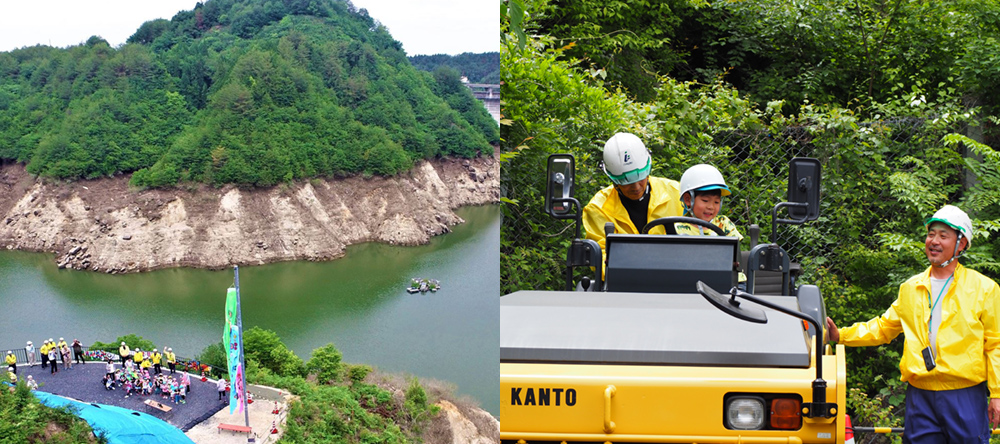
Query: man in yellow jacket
point(951, 352)
point(124, 352)
point(156, 357)
point(634, 198)
point(11, 361)
point(171, 359)
point(44, 351)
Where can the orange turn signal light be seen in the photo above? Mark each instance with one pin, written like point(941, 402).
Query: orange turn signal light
point(786, 414)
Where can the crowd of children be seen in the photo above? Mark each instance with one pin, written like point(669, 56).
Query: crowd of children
point(141, 372)
point(138, 381)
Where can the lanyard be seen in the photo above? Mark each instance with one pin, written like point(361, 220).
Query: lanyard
point(940, 293)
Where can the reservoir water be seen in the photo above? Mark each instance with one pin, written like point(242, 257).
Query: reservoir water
point(358, 302)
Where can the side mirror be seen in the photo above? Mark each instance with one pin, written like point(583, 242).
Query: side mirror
point(559, 185)
point(803, 188)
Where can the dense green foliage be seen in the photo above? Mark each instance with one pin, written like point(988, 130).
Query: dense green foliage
point(24, 419)
point(478, 68)
point(890, 156)
point(841, 52)
point(132, 340)
point(248, 92)
point(340, 404)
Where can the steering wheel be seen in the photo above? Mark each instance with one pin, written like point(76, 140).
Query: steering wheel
point(668, 224)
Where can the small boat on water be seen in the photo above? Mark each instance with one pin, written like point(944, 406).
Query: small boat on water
point(423, 285)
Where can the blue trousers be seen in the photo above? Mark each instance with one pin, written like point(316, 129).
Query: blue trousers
point(947, 416)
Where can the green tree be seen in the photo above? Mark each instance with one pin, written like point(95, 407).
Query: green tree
point(325, 363)
point(266, 348)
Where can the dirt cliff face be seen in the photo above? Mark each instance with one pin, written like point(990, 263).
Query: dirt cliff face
point(102, 225)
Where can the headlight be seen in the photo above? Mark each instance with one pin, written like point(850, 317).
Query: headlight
point(745, 413)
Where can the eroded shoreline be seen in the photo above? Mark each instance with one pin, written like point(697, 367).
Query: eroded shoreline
point(101, 225)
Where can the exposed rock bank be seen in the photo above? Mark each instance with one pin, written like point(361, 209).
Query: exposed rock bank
point(455, 425)
point(101, 225)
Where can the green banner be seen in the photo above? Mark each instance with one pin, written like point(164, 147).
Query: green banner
point(231, 339)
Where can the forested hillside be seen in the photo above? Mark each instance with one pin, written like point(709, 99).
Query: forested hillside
point(479, 68)
point(250, 92)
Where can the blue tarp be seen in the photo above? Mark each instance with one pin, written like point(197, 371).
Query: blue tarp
point(120, 425)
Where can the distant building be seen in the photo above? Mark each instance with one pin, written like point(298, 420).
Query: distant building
point(487, 93)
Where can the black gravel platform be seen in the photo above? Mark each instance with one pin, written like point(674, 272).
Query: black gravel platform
point(83, 383)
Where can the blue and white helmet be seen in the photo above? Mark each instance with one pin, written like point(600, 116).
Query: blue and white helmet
point(703, 177)
point(626, 159)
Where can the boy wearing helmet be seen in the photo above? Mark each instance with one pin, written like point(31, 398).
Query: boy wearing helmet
point(951, 351)
point(634, 197)
point(702, 190)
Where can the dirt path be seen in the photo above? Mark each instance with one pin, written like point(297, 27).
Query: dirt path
point(263, 420)
point(102, 225)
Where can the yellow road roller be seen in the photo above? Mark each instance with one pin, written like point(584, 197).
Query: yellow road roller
point(661, 345)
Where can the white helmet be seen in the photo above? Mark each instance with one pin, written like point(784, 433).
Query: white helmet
point(626, 159)
point(703, 177)
point(955, 218)
point(123, 342)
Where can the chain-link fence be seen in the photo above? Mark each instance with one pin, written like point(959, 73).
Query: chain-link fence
point(858, 166)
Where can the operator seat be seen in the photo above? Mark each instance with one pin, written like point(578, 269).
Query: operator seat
point(767, 282)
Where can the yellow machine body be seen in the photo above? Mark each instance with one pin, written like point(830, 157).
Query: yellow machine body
point(657, 404)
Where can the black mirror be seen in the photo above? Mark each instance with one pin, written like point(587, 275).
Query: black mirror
point(559, 185)
point(730, 305)
point(803, 188)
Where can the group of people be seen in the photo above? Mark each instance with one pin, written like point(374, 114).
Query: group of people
point(51, 353)
point(142, 360)
point(635, 198)
point(137, 380)
point(949, 315)
point(28, 380)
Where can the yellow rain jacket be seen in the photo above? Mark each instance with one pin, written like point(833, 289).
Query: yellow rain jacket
point(11, 359)
point(44, 349)
point(138, 357)
point(968, 341)
point(171, 358)
point(123, 351)
point(606, 206)
point(155, 358)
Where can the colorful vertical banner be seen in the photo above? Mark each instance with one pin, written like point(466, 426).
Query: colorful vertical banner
point(231, 338)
